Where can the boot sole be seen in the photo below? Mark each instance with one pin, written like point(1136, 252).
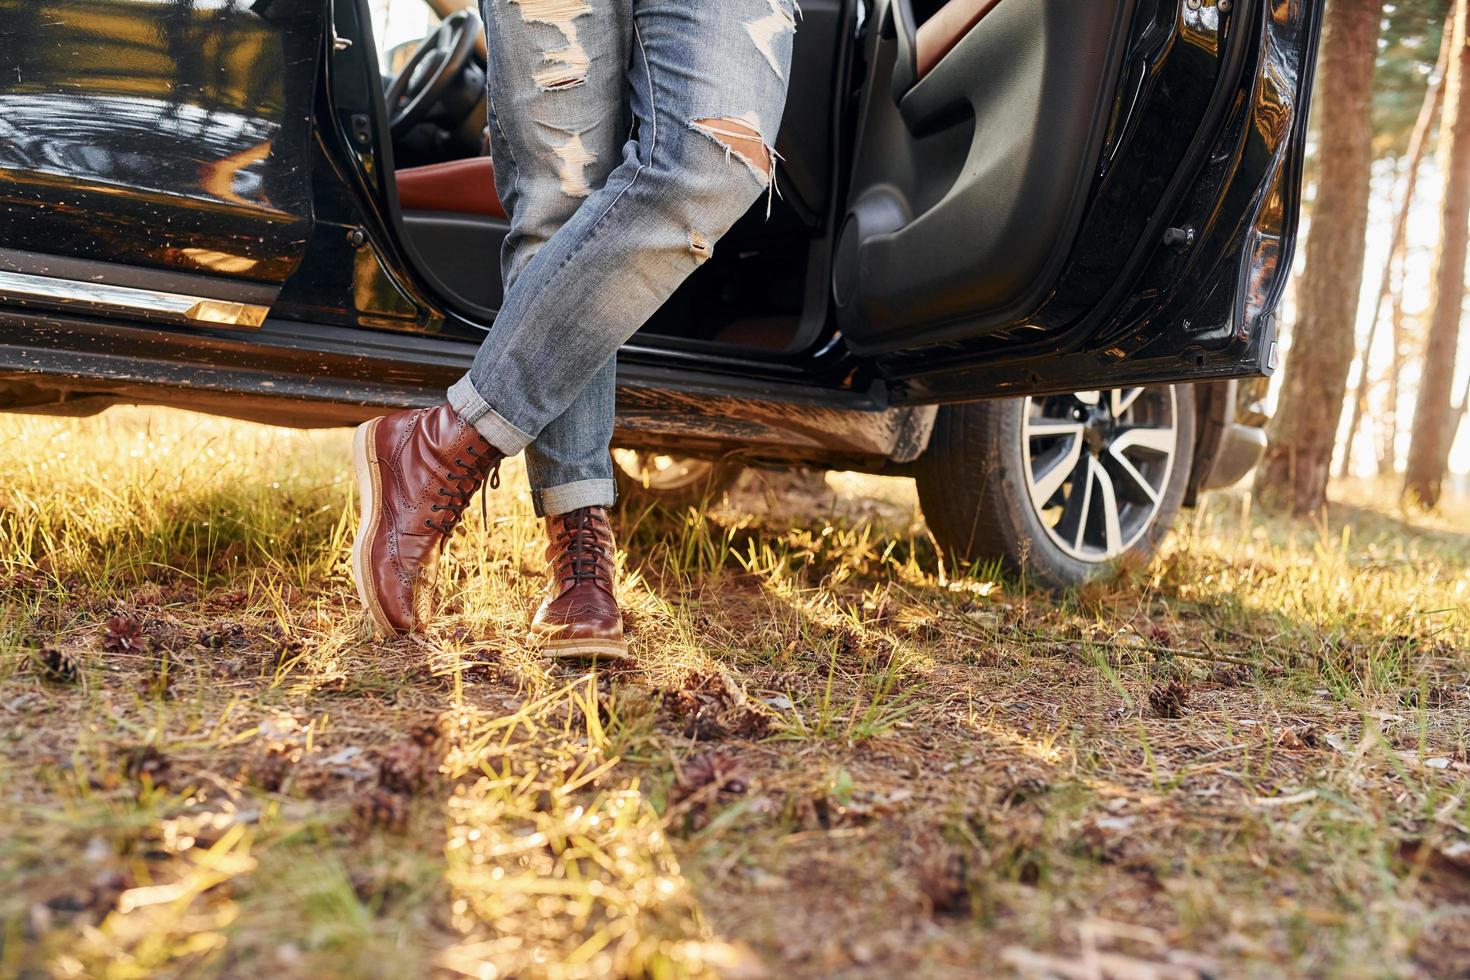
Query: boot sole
point(370, 513)
point(608, 649)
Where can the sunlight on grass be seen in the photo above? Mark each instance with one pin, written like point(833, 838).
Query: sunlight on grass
point(832, 755)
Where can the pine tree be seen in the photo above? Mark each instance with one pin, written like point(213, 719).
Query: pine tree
point(1418, 143)
point(1297, 466)
point(1434, 415)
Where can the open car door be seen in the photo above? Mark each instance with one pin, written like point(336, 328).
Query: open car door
point(155, 155)
point(1051, 195)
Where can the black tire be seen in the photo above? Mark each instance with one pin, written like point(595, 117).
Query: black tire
point(683, 483)
point(978, 500)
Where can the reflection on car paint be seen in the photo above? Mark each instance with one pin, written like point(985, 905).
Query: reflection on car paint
point(167, 133)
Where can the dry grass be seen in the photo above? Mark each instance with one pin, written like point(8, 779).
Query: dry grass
point(1247, 759)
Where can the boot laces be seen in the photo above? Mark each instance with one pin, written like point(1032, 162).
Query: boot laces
point(584, 556)
point(461, 486)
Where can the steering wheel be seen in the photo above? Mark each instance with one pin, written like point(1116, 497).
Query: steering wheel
point(432, 70)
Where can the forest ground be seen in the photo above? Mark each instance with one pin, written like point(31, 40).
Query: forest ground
point(831, 757)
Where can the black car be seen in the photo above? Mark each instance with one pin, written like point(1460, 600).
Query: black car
point(1023, 250)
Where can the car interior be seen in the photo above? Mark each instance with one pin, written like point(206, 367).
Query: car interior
point(979, 194)
point(435, 94)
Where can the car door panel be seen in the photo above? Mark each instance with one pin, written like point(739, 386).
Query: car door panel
point(158, 145)
point(940, 34)
point(965, 187)
point(1183, 238)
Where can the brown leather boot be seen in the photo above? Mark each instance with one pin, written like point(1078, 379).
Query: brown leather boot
point(416, 473)
point(580, 617)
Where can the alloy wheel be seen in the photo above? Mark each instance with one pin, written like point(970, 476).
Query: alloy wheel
point(661, 473)
point(1097, 464)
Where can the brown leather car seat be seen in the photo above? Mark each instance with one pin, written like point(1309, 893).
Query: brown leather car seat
point(461, 186)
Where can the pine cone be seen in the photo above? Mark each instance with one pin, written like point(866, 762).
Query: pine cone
point(406, 769)
point(710, 769)
point(232, 600)
point(711, 710)
point(1027, 788)
point(1161, 636)
point(433, 732)
point(752, 724)
point(703, 725)
point(147, 761)
point(944, 881)
point(1234, 675)
point(269, 769)
point(381, 808)
point(220, 635)
point(289, 648)
point(58, 665)
point(124, 635)
point(1169, 700)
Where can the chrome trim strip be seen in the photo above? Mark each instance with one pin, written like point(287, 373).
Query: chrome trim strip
point(69, 294)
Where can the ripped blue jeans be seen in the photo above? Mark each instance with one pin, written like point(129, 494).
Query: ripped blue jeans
point(628, 136)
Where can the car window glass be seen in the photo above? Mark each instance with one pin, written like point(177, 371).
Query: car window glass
point(399, 26)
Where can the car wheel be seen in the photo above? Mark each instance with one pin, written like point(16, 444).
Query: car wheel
point(1062, 487)
point(672, 482)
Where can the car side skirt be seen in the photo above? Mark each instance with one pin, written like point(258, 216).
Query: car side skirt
point(301, 375)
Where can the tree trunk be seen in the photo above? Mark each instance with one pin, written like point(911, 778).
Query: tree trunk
point(1433, 97)
point(1298, 462)
point(1434, 418)
point(1388, 452)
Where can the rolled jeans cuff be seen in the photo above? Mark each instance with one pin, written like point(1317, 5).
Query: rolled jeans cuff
point(572, 496)
point(475, 410)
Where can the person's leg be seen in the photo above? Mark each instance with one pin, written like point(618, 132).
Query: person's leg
point(570, 464)
point(709, 84)
point(559, 95)
point(709, 87)
point(559, 111)
point(558, 120)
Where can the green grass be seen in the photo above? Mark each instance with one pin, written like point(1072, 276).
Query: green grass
point(833, 757)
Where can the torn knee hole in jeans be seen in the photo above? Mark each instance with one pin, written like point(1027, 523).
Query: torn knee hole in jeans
point(567, 66)
point(741, 136)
